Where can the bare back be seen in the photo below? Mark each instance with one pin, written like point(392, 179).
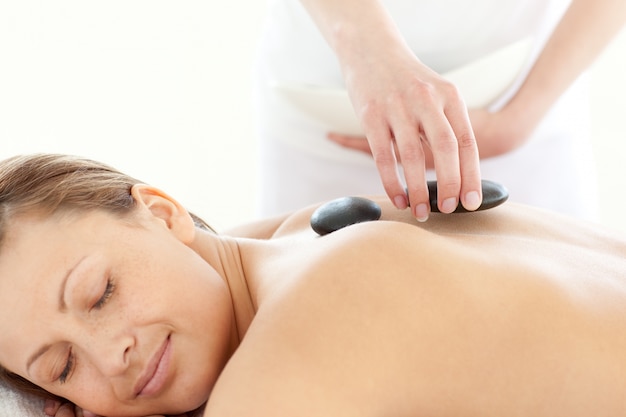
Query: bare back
point(513, 311)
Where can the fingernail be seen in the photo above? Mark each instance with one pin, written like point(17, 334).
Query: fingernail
point(472, 200)
point(449, 205)
point(421, 213)
point(400, 202)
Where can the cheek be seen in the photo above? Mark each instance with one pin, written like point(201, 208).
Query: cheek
point(196, 302)
point(95, 395)
point(180, 290)
point(199, 302)
point(203, 343)
point(199, 294)
point(173, 277)
point(208, 313)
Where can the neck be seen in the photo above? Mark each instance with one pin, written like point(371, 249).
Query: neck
point(223, 254)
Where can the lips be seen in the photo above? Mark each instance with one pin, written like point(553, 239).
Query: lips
point(154, 375)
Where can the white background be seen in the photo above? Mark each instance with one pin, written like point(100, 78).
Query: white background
point(162, 90)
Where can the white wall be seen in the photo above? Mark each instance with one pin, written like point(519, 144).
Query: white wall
point(157, 88)
point(609, 123)
point(161, 89)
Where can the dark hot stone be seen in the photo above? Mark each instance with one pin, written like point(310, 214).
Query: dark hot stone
point(343, 212)
point(494, 194)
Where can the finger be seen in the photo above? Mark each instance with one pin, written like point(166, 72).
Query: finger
point(411, 152)
point(66, 410)
point(381, 144)
point(445, 150)
point(86, 413)
point(357, 143)
point(51, 406)
point(471, 188)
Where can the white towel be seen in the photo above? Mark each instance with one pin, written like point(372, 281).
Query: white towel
point(18, 404)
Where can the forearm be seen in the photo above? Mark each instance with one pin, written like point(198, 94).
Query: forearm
point(356, 30)
point(585, 29)
point(401, 103)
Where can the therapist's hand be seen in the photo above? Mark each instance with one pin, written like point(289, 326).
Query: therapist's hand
point(410, 114)
point(403, 106)
point(408, 111)
point(496, 133)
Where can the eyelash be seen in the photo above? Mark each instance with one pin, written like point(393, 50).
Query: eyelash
point(108, 292)
point(69, 365)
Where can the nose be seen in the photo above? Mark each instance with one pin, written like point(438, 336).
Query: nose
point(108, 348)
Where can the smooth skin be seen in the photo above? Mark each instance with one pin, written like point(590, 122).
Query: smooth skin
point(411, 114)
point(512, 311)
point(108, 293)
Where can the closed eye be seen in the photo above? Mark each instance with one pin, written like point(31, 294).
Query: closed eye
point(67, 370)
point(106, 295)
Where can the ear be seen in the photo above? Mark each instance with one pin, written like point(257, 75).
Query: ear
point(165, 208)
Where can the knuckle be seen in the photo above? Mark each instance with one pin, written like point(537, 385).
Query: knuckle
point(393, 99)
point(466, 140)
point(445, 145)
point(450, 90)
point(398, 103)
point(426, 91)
point(370, 114)
point(383, 159)
point(371, 110)
point(449, 186)
point(412, 152)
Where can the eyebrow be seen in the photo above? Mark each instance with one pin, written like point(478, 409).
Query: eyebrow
point(62, 307)
point(62, 304)
point(36, 356)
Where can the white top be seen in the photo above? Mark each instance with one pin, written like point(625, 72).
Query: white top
point(444, 34)
point(486, 47)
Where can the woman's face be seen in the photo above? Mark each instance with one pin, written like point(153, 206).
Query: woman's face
point(120, 318)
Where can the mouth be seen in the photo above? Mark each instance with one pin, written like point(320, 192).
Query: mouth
point(154, 376)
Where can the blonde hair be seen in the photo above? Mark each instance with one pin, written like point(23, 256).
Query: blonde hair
point(45, 184)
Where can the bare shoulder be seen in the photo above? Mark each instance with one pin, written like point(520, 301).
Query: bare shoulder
point(509, 219)
point(386, 318)
point(336, 341)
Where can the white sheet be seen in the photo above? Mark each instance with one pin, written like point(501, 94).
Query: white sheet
point(18, 404)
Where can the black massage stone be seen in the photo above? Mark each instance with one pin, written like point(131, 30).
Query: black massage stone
point(494, 194)
point(343, 212)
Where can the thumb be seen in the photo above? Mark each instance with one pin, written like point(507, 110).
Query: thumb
point(356, 143)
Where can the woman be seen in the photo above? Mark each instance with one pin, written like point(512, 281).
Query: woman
point(113, 298)
point(391, 56)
